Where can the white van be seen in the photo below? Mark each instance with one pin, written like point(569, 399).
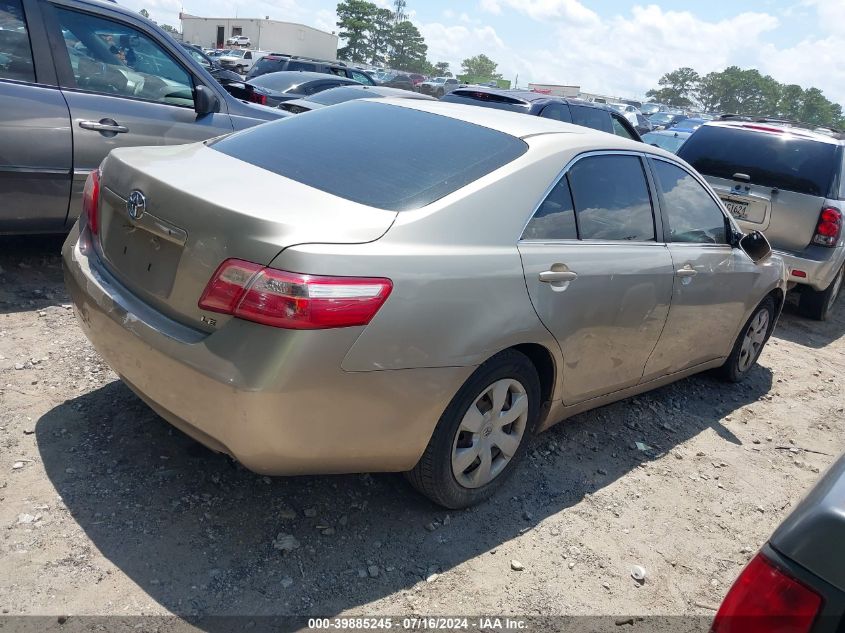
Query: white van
point(241, 60)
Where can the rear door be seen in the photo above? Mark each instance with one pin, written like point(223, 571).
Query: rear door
point(712, 280)
point(35, 139)
point(597, 275)
point(123, 87)
point(770, 180)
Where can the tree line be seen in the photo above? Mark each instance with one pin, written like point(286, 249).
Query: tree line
point(746, 91)
point(378, 36)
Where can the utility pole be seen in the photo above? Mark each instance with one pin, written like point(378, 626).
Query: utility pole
point(399, 11)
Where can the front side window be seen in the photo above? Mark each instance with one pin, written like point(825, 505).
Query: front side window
point(15, 52)
point(113, 58)
point(362, 78)
point(692, 214)
point(611, 198)
point(619, 128)
point(555, 219)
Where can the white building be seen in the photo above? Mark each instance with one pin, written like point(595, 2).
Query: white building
point(557, 90)
point(264, 34)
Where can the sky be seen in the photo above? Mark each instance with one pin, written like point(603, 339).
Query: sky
point(615, 47)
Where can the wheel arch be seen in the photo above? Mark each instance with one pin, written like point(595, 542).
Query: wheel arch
point(544, 362)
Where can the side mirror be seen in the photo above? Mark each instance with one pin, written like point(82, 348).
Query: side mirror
point(756, 246)
point(204, 101)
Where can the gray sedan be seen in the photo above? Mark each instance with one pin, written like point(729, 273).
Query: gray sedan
point(356, 303)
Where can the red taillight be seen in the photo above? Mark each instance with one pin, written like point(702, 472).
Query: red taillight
point(765, 599)
point(829, 227)
point(292, 300)
point(257, 97)
point(91, 201)
point(799, 273)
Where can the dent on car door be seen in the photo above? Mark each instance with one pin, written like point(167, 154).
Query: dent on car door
point(713, 282)
point(598, 278)
point(35, 139)
point(124, 88)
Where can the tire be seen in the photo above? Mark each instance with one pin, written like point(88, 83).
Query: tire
point(757, 330)
point(511, 375)
point(440, 93)
point(818, 304)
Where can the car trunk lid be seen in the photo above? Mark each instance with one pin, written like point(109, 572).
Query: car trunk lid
point(202, 207)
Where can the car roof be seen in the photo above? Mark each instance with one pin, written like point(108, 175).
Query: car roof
point(774, 127)
point(531, 96)
point(305, 75)
point(513, 123)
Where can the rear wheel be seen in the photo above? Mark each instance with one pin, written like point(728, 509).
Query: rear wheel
point(750, 342)
point(817, 304)
point(483, 433)
point(440, 93)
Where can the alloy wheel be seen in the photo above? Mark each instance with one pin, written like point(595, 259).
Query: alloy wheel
point(490, 433)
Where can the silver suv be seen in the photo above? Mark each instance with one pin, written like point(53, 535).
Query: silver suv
point(786, 181)
point(79, 78)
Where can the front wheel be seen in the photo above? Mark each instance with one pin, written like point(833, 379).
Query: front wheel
point(818, 304)
point(482, 434)
point(750, 342)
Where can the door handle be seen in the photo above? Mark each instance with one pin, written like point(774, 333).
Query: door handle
point(557, 276)
point(104, 125)
point(686, 271)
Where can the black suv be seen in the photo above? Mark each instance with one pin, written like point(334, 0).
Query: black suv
point(276, 62)
point(595, 115)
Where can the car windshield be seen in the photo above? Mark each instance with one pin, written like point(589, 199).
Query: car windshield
point(437, 156)
point(235, 53)
point(669, 142)
point(438, 80)
point(650, 108)
point(780, 160)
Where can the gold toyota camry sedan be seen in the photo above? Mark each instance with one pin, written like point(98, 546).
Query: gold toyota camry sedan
point(410, 286)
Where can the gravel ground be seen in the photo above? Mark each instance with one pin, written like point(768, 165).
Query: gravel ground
point(106, 509)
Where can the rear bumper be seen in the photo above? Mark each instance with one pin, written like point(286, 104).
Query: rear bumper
point(276, 400)
point(819, 265)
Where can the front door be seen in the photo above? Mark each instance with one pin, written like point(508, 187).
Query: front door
point(123, 89)
point(712, 280)
point(596, 274)
point(35, 140)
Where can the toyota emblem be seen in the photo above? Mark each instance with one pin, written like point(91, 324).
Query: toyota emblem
point(136, 205)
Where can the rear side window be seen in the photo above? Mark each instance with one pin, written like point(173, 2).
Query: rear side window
point(555, 219)
point(557, 111)
point(769, 159)
point(266, 65)
point(692, 214)
point(611, 199)
point(15, 52)
point(437, 156)
point(595, 118)
point(293, 65)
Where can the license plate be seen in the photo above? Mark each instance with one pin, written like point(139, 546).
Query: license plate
point(737, 209)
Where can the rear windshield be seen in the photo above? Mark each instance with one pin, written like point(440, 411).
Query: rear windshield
point(377, 154)
point(770, 160)
point(333, 96)
point(269, 64)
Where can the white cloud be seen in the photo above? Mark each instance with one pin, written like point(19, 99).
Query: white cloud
point(564, 10)
point(454, 43)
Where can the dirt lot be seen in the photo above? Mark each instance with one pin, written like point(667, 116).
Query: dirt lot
point(105, 509)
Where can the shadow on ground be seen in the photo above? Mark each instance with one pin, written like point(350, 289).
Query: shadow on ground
point(796, 328)
point(30, 273)
point(195, 531)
